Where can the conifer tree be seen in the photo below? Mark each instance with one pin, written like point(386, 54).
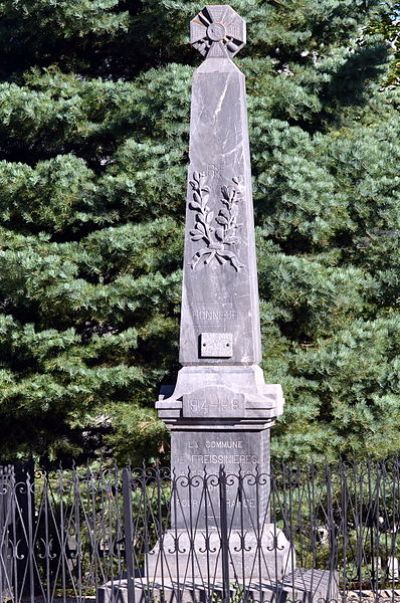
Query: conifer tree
point(94, 113)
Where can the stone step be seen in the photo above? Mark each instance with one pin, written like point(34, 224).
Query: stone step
point(305, 586)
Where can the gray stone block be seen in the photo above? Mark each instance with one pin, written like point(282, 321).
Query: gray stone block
point(304, 586)
point(198, 492)
point(199, 558)
point(229, 395)
point(312, 585)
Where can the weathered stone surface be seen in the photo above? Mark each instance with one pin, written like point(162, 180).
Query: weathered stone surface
point(319, 586)
point(216, 345)
point(260, 403)
point(221, 409)
point(219, 29)
point(220, 344)
point(199, 556)
point(198, 457)
point(220, 278)
point(213, 402)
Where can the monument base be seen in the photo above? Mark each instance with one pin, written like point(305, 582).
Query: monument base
point(303, 586)
point(182, 557)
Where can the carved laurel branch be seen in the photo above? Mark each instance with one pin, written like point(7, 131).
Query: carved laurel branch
point(220, 239)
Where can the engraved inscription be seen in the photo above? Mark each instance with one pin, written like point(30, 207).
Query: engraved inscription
point(213, 315)
point(212, 451)
point(216, 345)
point(213, 402)
point(204, 453)
point(215, 170)
point(250, 503)
point(224, 459)
point(219, 234)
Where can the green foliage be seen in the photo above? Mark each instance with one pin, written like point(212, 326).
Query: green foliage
point(389, 27)
point(94, 114)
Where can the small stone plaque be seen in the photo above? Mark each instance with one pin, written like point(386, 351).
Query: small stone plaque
point(213, 402)
point(216, 345)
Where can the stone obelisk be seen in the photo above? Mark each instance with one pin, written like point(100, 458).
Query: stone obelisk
point(221, 410)
point(220, 393)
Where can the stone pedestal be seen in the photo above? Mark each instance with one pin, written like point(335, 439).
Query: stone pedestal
point(245, 493)
point(220, 499)
point(302, 586)
point(200, 558)
point(220, 417)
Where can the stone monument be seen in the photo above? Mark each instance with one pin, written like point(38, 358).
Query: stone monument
point(221, 410)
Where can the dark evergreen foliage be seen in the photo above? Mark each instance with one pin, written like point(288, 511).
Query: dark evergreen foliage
point(94, 102)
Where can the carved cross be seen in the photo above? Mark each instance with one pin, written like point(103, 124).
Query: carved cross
point(218, 31)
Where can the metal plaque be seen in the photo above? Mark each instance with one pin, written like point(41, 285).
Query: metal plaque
point(216, 345)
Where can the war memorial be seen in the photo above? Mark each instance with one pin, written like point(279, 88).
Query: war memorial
point(221, 410)
point(140, 464)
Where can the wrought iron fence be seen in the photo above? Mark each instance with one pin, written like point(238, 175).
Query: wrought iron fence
point(149, 535)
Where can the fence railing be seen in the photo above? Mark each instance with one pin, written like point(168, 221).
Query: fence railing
point(148, 534)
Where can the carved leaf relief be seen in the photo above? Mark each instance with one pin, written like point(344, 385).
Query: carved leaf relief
point(218, 233)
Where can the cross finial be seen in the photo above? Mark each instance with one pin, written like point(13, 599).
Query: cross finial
point(218, 31)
